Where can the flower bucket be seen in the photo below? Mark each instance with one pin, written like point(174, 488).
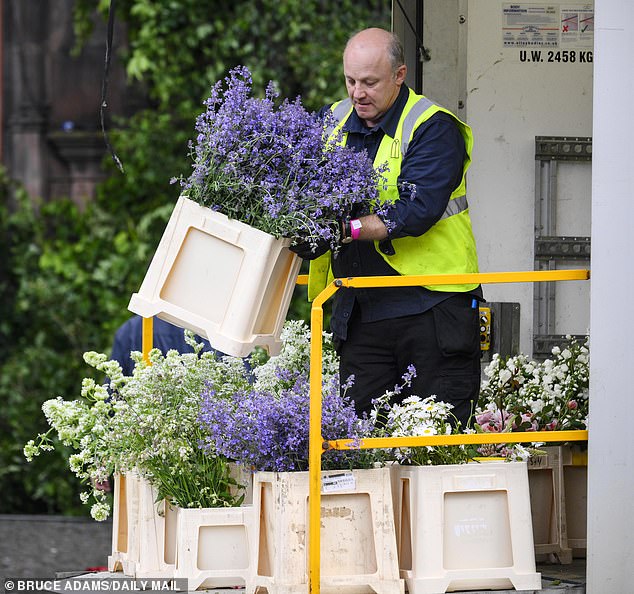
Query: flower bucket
point(464, 527)
point(244, 477)
point(144, 531)
point(558, 485)
point(125, 523)
point(575, 464)
point(548, 507)
point(222, 279)
point(157, 535)
point(215, 547)
point(358, 541)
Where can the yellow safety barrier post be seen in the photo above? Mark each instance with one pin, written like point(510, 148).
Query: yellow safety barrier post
point(315, 439)
point(147, 338)
point(317, 445)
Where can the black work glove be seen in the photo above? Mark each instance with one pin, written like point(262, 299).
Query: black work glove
point(307, 250)
point(311, 250)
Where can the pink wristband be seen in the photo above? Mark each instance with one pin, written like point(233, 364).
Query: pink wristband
point(355, 229)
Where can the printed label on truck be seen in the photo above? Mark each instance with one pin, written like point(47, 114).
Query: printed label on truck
point(531, 25)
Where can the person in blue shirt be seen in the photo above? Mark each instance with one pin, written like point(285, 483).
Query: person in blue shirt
point(380, 332)
point(165, 336)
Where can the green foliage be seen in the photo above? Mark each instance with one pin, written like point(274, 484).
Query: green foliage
point(179, 48)
point(65, 282)
point(153, 148)
point(66, 275)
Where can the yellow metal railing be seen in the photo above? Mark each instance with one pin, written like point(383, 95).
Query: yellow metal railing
point(317, 445)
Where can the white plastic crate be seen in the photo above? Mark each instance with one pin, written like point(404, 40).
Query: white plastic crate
point(464, 527)
point(119, 546)
point(124, 521)
point(220, 278)
point(143, 531)
point(215, 547)
point(546, 481)
point(243, 476)
point(358, 540)
point(575, 464)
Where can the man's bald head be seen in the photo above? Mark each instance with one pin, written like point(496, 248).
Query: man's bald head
point(375, 37)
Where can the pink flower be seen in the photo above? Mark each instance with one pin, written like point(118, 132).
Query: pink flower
point(528, 418)
point(493, 421)
point(572, 405)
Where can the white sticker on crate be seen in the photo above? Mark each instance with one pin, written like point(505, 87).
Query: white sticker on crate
point(343, 481)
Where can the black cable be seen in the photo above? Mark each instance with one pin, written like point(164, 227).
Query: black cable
point(423, 52)
point(104, 85)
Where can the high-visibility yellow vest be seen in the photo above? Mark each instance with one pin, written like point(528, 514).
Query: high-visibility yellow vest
point(448, 247)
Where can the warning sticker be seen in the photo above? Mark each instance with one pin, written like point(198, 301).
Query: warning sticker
point(577, 26)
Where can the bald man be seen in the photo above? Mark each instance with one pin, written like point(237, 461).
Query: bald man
point(381, 332)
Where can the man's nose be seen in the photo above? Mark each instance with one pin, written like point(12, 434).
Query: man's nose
point(358, 91)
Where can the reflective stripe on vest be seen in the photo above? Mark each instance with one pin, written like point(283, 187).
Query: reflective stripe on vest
point(343, 108)
point(339, 111)
point(455, 206)
point(419, 108)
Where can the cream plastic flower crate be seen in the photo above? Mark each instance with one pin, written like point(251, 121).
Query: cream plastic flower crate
point(144, 531)
point(546, 484)
point(358, 542)
point(558, 485)
point(220, 278)
point(215, 547)
point(125, 524)
point(464, 527)
point(575, 464)
point(243, 477)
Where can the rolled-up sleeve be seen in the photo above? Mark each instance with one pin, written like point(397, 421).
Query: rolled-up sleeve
point(433, 163)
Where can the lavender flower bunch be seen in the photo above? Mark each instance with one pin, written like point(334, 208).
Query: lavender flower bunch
point(267, 431)
point(271, 166)
point(265, 426)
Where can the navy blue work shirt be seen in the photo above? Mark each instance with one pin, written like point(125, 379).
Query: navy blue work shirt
point(434, 163)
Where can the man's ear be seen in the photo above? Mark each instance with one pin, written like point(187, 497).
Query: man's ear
point(399, 75)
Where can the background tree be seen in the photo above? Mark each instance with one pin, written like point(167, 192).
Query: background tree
point(67, 274)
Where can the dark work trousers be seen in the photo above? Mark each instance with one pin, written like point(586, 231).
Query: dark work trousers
point(442, 343)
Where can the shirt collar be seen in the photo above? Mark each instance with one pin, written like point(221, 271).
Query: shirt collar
point(388, 122)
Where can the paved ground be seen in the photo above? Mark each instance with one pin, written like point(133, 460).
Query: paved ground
point(58, 545)
point(556, 579)
point(568, 578)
